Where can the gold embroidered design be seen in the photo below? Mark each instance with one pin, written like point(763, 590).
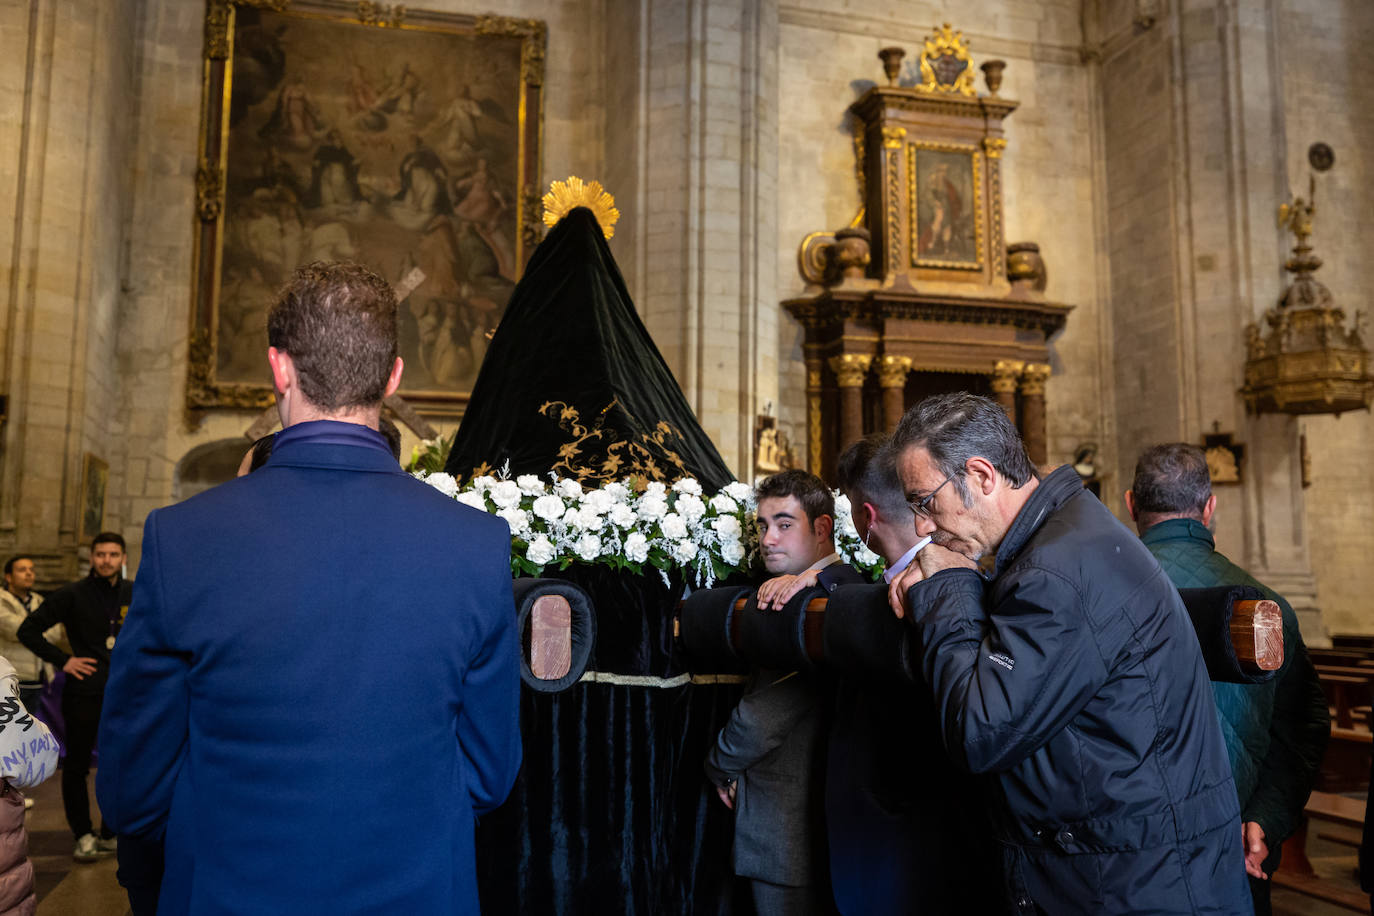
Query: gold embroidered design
point(597, 453)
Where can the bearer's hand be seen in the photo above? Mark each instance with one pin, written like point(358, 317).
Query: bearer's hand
point(78, 667)
point(902, 583)
point(1256, 850)
point(727, 794)
point(777, 592)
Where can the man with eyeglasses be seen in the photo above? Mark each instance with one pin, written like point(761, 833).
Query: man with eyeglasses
point(1071, 672)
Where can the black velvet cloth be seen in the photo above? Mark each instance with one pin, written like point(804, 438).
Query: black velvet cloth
point(1210, 609)
point(611, 812)
point(573, 383)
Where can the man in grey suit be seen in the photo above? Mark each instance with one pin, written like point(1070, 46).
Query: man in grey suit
point(766, 759)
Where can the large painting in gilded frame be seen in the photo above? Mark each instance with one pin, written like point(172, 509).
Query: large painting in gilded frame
point(946, 205)
point(394, 137)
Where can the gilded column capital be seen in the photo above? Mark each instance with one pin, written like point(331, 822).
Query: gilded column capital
point(993, 146)
point(1005, 374)
point(892, 371)
point(850, 368)
point(1033, 378)
point(894, 137)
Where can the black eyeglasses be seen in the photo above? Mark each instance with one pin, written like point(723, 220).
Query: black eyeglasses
point(922, 506)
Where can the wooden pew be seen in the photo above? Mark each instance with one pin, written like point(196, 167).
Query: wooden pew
point(1296, 872)
point(1353, 641)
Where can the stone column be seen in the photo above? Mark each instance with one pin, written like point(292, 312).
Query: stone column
point(850, 369)
point(1004, 378)
point(1033, 379)
point(892, 372)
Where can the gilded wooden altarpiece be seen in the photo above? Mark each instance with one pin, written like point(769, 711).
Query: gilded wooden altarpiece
point(379, 133)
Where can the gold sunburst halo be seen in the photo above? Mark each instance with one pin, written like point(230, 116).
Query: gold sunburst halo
point(563, 196)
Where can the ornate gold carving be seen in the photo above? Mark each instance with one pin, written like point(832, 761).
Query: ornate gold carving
point(382, 14)
point(996, 242)
point(201, 391)
point(894, 210)
point(531, 223)
point(893, 370)
point(993, 146)
point(531, 53)
point(850, 368)
point(813, 257)
point(1033, 379)
point(894, 137)
point(945, 64)
point(217, 30)
point(913, 227)
point(209, 191)
point(1005, 374)
point(564, 196)
point(860, 170)
point(532, 62)
point(595, 453)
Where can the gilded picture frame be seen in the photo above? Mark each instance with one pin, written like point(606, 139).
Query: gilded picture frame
point(946, 190)
point(395, 137)
point(95, 474)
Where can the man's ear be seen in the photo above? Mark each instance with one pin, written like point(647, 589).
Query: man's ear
point(1208, 509)
point(1130, 505)
point(824, 527)
point(982, 476)
point(393, 381)
point(871, 514)
point(283, 369)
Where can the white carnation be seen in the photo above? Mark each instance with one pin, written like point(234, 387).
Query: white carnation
point(684, 551)
point(599, 501)
point(690, 507)
point(472, 498)
point(444, 483)
point(540, 551)
point(687, 485)
point(637, 547)
point(529, 484)
point(548, 507)
point(653, 508)
point(739, 492)
point(728, 527)
point(656, 489)
point(518, 519)
point(673, 526)
point(724, 504)
point(589, 547)
point(506, 494)
point(622, 516)
point(732, 552)
point(484, 483)
point(617, 491)
point(568, 488)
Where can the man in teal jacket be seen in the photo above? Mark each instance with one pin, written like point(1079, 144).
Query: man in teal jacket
point(1275, 732)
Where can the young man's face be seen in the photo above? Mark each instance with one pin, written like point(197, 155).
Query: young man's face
point(788, 541)
point(106, 559)
point(20, 577)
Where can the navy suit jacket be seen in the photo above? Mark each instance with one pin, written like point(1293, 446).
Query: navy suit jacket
point(316, 689)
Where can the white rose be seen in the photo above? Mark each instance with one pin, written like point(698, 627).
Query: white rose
point(540, 551)
point(656, 489)
point(724, 504)
point(637, 547)
point(484, 483)
point(444, 483)
point(589, 547)
point(622, 516)
point(568, 488)
point(518, 519)
point(506, 494)
point(728, 527)
point(599, 501)
point(690, 507)
point(739, 492)
point(732, 552)
point(653, 508)
point(529, 484)
point(548, 507)
point(684, 551)
point(687, 485)
point(673, 526)
point(473, 498)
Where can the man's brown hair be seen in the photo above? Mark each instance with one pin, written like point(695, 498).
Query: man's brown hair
point(337, 321)
point(815, 497)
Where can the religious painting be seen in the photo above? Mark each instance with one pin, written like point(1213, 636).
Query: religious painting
point(95, 473)
point(946, 205)
point(393, 137)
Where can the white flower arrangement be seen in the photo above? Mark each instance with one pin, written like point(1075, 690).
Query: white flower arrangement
point(557, 523)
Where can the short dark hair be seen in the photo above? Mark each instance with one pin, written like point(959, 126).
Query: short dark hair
point(391, 434)
point(109, 537)
point(815, 497)
point(1171, 479)
point(337, 321)
point(868, 470)
point(9, 564)
point(262, 450)
point(956, 427)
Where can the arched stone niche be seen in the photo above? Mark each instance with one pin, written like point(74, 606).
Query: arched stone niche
point(207, 465)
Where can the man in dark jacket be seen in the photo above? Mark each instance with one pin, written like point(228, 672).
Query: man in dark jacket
point(92, 610)
point(1275, 732)
point(1071, 670)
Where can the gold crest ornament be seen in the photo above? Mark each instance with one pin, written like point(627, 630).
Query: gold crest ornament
point(945, 64)
point(563, 196)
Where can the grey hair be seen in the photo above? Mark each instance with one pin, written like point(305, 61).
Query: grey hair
point(1172, 479)
point(956, 427)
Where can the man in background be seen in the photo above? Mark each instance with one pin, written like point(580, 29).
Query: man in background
point(91, 610)
point(1276, 732)
point(767, 760)
point(17, 602)
point(290, 745)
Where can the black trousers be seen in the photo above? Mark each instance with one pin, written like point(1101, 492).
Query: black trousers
point(82, 714)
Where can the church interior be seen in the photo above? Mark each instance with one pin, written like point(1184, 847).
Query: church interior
point(1128, 221)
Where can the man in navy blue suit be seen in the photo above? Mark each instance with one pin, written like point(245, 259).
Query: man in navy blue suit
point(316, 689)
